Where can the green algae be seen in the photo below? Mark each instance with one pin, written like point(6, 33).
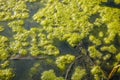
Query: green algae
point(78, 74)
point(34, 69)
point(50, 75)
point(117, 1)
point(94, 53)
point(1, 28)
point(98, 73)
point(62, 61)
point(6, 74)
point(72, 21)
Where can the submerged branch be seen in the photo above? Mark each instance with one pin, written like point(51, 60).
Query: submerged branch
point(113, 72)
point(18, 57)
point(70, 67)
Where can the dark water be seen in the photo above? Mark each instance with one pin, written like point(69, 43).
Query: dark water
point(22, 69)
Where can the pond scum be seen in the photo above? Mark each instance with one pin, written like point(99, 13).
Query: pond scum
point(92, 23)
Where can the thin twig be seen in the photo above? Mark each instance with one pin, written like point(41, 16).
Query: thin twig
point(70, 67)
point(27, 58)
point(114, 70)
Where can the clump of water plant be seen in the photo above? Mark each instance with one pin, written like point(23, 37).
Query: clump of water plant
point(89, 28)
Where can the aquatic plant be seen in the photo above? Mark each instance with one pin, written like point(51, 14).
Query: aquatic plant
point(92, 26)
point(78, 74)
point(50, 75)
point(62, 61)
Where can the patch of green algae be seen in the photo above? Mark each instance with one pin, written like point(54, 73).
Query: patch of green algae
point(50, 75)
point(71, 21)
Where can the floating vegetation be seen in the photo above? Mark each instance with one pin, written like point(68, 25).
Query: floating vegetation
point(90, 28)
